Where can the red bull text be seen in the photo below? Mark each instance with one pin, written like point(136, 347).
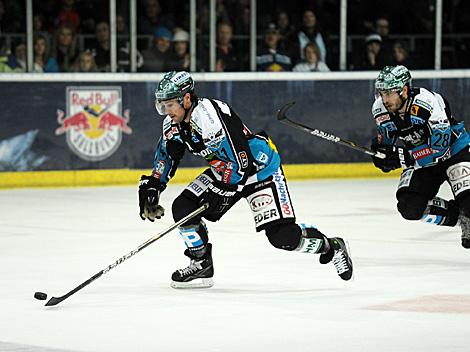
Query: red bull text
point(94, 121)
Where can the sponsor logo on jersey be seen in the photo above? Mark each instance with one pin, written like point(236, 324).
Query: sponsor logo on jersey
point(199, 185)
point(262, 157)
point(160, 168)
point(376, 111)
point(284, 199)
point(263, 206)
point(214, 139)
point(414, 137)
point(415, 120)
point(459, 171)
point(93, 122)
point(423, 104)
point(414, 110)
point(422, 153)
point(382, 118)
point(173, 131)
point(243, 159)
point(266, 216)
point(260, 201)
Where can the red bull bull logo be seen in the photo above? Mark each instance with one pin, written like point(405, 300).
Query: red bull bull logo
point(93, 123)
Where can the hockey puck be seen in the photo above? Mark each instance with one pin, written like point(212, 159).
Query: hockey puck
point(40, 295)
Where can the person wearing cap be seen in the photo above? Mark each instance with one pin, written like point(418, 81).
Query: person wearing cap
point(179, 60)
point(270, 57)
point(156, 58)
point(372, 57)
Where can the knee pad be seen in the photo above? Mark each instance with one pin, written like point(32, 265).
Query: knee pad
point(284, 236)
point(411, 206)
point(182, 206)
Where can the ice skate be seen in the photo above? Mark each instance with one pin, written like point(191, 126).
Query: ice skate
point(339, 254)
point(198, 274)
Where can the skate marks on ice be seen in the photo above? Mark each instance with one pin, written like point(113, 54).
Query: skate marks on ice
point(16, 347)
point(439, 303)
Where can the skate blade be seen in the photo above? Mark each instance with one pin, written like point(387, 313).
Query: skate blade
point(196, 283)
point(350, 257)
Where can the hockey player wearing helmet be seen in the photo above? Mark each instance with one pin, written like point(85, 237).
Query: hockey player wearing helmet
point(242, 164)
point(434, 148)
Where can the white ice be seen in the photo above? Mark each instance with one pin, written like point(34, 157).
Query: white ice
point(411, 290)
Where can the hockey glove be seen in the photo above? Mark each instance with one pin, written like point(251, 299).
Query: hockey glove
point(220, 197)
point(149, 195)
point(395, 157)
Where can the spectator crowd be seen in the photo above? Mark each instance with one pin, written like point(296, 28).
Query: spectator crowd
point(301, 36)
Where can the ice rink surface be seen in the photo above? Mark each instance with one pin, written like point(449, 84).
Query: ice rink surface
point(411, 290)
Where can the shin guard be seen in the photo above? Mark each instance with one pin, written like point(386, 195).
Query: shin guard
point(441, 212)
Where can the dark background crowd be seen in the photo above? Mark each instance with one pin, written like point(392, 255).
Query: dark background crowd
point(301, 36)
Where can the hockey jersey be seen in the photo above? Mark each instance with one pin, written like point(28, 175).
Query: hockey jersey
point(216, 133)
point(427, 128)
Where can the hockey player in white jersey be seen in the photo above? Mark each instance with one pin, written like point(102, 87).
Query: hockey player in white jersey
point(434, 149)
point(242, 164)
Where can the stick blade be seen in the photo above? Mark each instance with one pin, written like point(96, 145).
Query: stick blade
point(54, 301)
point(281, 113)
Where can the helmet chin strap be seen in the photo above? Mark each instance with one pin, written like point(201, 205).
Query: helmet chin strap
point(186, 111)
point(403, 100)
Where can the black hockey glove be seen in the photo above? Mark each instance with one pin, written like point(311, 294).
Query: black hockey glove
point(395, 157)
point(220, 197)
point(149, 195)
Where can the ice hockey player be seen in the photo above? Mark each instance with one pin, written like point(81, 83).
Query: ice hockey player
point(435, 148)
point(241, 165)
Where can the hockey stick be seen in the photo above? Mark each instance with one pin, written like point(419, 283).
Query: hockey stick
point(55, 300)
point(281, 116)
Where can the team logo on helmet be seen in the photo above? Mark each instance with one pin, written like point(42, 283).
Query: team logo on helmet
point(93, 123)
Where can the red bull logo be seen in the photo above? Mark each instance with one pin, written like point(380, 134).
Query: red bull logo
point(94, 122)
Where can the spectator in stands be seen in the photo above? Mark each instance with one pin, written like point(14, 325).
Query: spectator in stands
point(101, 47)
point(39, 27)
point(270, 57)
point(286, 29)
point(43, 62)
point(121, 25)
point(153, 18)
point(203, 15)
point(372, 58)
point(242, 21)
point(17, 60)
point(65, 47)
point(312, 60)
point(382, 28)
point(68, 15)
point(179, 60)
point(401, 55)
point(309, 32)
point(85, 62)
point(12, 17)
point(156, 58)
point(124, 58)
point(230, 58)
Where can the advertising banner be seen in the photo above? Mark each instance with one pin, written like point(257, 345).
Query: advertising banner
point(73, 126)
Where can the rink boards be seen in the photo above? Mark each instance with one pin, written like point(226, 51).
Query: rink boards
point(183, 175)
